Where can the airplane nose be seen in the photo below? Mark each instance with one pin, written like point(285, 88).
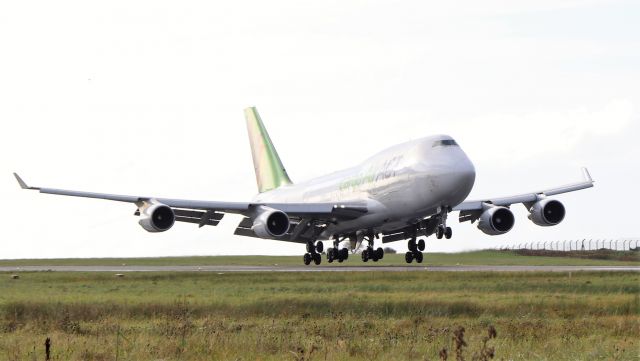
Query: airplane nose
point(461, 181)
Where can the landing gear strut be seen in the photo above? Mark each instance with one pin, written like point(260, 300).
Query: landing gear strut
point(370, 253)
point(335, 253)
point(443, 230)
point(313, 253)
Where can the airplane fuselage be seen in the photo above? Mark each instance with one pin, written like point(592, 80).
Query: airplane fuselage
point(402, 184)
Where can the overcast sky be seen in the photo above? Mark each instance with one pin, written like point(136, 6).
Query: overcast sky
point(146, 98)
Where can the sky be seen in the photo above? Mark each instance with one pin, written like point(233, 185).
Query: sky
point(146, 98)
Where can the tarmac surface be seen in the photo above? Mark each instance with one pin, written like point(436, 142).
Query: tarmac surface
point(276, 268)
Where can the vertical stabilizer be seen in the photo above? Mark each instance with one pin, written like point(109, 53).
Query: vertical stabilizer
point(270, 172)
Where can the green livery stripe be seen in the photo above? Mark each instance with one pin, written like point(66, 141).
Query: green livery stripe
point(270, 173)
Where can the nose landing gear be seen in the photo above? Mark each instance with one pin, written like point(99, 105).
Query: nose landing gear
point(443, 231)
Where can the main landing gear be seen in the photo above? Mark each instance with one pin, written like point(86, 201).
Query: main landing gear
point(336, 254)
point(415, 251)
point(370, 253)
point(313, 253)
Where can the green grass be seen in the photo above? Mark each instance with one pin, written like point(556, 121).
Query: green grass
point(311, 316)
point(502, 258)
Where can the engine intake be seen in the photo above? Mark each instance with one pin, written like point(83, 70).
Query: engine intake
point(496, 220)
point(157, 217)
point(270, 223)
point(547, 212)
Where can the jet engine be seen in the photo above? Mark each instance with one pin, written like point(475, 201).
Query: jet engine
point(496, 220)
point(157, 217)
point(270, 223)
point(547, 212)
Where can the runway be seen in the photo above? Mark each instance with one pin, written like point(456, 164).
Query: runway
point(303, 269)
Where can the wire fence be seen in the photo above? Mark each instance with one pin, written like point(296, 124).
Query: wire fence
point(577, 245)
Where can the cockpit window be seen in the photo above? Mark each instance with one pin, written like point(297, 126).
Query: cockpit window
point(444, 143)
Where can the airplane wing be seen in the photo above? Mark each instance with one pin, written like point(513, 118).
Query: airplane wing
point(469, 208)
point(211, 212)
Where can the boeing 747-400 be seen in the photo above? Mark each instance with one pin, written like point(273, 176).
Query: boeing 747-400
point(405, 192)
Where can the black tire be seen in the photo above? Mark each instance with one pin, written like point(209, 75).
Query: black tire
point(448, 233)
point(421, 245)
point(344, 254)
point(412, 245)
point(319, 247)
point(317, 259)
point(365, 256)
point(310, 247)
point(408, 257)
point(419, 257)
point(372, 254)
point(330, 255)
point(380, 253)
point(439, 232)
point(307, 259)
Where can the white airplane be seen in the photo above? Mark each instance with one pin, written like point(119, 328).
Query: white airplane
point(402, 193)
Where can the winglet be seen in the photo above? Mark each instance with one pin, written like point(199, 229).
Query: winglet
point(23, 185)
point(587, 175)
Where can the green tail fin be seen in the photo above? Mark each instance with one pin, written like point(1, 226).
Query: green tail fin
point(270, 172)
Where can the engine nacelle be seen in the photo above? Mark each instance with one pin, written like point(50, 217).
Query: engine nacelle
point(157, 217)
point(547, 212)
point(270, 223)
point(496, 220)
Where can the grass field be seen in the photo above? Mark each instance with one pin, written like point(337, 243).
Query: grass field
point(499, 258)
point(343, 316)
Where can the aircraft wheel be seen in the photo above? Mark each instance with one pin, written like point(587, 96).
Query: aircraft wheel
point(330, 255)
point(412, 245)
point(310, 247)
point(439, 232)
point(380, 253)
point(372, 254)
point(365, 256)
point(448, 233)
point(419, 257)
point(317, 259)
point(344, 254)
point(421, 245)
point(319, 247)
point(408, 257)
point(307, 259)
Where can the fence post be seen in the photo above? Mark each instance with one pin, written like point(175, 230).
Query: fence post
point(47, 349)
